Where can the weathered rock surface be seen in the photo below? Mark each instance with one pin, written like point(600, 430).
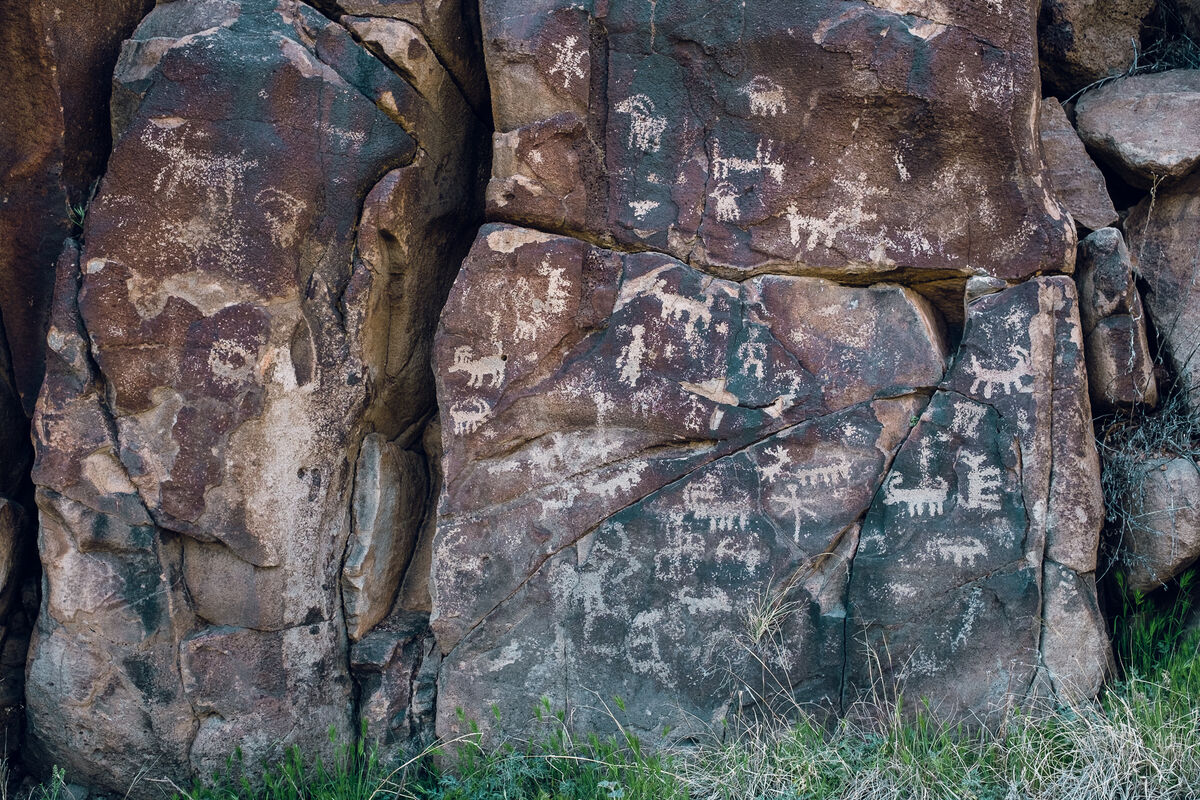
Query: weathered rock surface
point(826, 138)
point(1077, 181)
point(1165, 538)
point(1120, 365)
point(975, 567)
point(642, 460)
point(1144, 125)
point(1083, 41)
point(1164, 238)
point(214, 529)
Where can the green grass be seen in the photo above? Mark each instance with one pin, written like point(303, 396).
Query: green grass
point(1140, 741)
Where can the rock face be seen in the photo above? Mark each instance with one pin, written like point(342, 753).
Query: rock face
point(1077, 181)
point(1142, 125)
point(1164, 237)
point(721, 473)
point(1083, 41)
point(1120, 365)
point(213, 527)
point(788, 147)
point(1166, 538)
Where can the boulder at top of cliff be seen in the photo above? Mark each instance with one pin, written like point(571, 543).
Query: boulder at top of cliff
point(1077, 181)
point(1165, 537)
point(825, 137)
point(1144, 126)
point(1083, 41)
point(1164, 237)
point(1120, 365)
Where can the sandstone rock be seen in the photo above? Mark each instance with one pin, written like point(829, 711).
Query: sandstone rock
point(1120, 365)
point(1165, 537)
point(1143, 125)
point(1164, 238)
point(263, 265)
point(54, 139)
point(991, 502)
point(787, 141)
point(1083, 41)
point(1077, 181)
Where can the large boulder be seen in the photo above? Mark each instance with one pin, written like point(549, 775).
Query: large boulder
point(869, 139)
point(1077, 181)
point(1164, 238)
point(1164, 537)
point(1144, 125)
point(1120, 364)
point(1084, 41)
point(255, 297)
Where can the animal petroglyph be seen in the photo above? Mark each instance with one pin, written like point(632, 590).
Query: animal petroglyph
point(983, 483)
point(963, 552)
point(645, 126)
point(487, 368)
point(767, 98)
point(568, 60)
point(469, 414)
point(534, 313)
point(779, 460)
point(188, 165)
point(282, 212)
point(764, 162)
point(832, 474)
point(706, 500)
point(1009, 380)
point(630, 360)
point(926, 499)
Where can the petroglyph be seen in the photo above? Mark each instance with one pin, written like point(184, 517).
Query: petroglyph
point(645, 126)
point(568, 60)
point(983, 483)
point(779, 459)
point(705, 499)
point(764, 162)
point(486, 368)
point(767, 97)
point(753, 355)
point(839, 220)
point(832, 474)
point(630, 360)
point(188, 165)
point(641, 208)
point(928, 498)
point(532, 312)
point(726, 197)
point(282, 212)
point(1008, 380)
point(470, 414)
point(792, 502)
point(962, 551)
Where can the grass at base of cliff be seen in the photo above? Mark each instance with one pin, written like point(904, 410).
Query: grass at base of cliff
point(1141, 741)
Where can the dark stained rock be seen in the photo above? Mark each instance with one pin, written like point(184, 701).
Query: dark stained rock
point(1120, 365)
point(279, 224)
point(1144, 125)
point(974, 572)
point(825, 138)
point(1083, 41)
point(54, 139)
point(1164, 238)
point(1077, 181)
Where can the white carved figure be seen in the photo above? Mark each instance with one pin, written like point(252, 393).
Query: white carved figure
point(795, 504)
point(568, 60)
point(704, 498)
point(753, 354)
point(926, 499)
point(764, 162)
point(767, 98)
point(469, 414)
point(726, 197)
point(983, 483)
point(645, 126)
point(489, 368)
point(630, 360)
point(1009, 380)
point(831, 474)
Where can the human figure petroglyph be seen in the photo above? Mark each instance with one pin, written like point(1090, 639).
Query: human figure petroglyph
point(926, 499)
point(630, 360)
point(766, 97)
point(645, 126)
point(469, 414)
point(726, 196)
point(1007, 380)
point(983, 483)
point(753, 354)
point(764, 161)
point(568, 60)
point(487, 368)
